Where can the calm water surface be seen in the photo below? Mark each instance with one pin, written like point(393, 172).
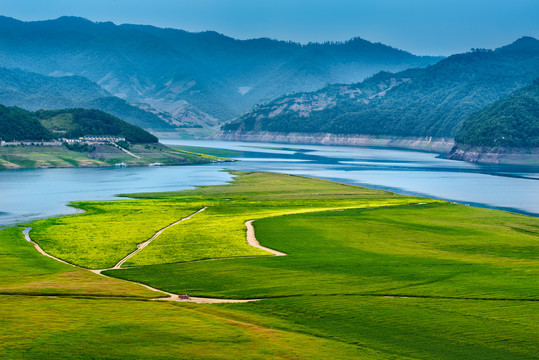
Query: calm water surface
point(33, 194)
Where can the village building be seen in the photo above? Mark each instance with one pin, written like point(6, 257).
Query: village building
point(95, 139)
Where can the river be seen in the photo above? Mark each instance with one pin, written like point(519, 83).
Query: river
point(32, 194)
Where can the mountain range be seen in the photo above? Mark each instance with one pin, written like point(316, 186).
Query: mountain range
point(185, 79)
point(432, 101)
point(33, 91)
point(168, 79)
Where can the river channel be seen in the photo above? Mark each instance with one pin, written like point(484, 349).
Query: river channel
point(32, 194)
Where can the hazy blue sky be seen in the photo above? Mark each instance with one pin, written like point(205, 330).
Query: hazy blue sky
point(419, 26)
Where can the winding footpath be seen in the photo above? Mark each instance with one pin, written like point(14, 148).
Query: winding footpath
point(147, 242)
point(26, 233)
point(251, 240)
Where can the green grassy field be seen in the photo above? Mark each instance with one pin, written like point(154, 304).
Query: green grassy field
point(206, 150)
point(408, 328)
point(110, 230)
point(123, 329)
point(24, 271)
point(172, 155)
point(413, 250)
point(368, 274)
point(219, 232)
point(49, 310)
point(107, 231)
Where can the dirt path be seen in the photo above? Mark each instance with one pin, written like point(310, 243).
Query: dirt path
point(147, 242)
point(251, 240)
point(198, 300)
point(171, 296)
point(127, 151)
point(26, 233)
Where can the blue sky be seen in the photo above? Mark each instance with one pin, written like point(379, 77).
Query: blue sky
point(424, 27)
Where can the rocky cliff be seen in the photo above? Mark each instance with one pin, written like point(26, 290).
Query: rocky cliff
point(495, 155)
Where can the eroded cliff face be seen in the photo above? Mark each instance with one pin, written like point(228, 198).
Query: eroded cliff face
point(440, 145)
point(494, 155)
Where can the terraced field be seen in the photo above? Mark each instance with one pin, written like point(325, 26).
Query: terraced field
point(36, 156)
point(367, 274)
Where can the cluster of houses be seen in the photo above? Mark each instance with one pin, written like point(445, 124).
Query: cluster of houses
point(89, 139)
point(95, 139)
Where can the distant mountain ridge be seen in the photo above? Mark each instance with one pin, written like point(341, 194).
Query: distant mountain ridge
point(432, 101)
point(33, 91)
point(197, 78)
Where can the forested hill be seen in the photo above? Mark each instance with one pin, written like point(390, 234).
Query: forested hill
point(200, 78)
point(43, 125)
point(433, 101)
point(510, 122)
point(19, 124)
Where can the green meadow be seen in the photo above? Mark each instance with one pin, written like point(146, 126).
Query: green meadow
point(219, 232)
point(49, 310)
point(432, 250)
point(110, 230)
point(25, 272)
point(205, 150)
point(368, 274)
point(107, 231)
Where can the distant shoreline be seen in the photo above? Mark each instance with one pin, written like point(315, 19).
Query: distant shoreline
point(431, 144)
point(443, 146)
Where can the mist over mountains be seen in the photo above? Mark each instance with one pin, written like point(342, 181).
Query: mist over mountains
point(168, 79)
point(33, 91)
point(433, 101)
point(187, 79)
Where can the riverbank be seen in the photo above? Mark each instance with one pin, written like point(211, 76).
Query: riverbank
point(438, 145)
point(38, 193)
point(495, 155)
point(443, 146)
